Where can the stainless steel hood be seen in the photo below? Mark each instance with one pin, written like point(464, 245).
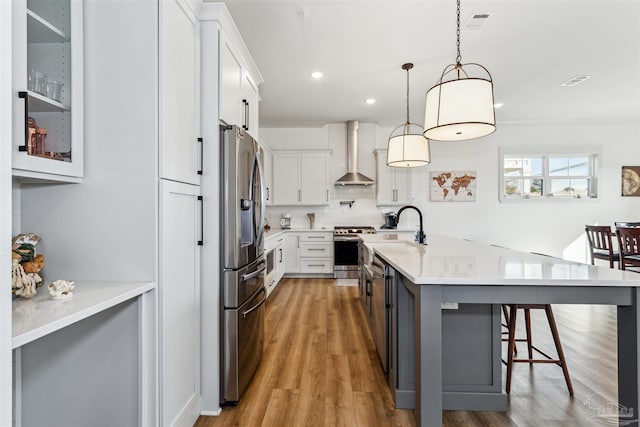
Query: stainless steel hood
point(353, 177)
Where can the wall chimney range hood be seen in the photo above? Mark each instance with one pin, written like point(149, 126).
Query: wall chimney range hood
point(353, 177)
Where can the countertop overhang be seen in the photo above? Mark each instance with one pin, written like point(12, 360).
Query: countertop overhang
point(451, 261)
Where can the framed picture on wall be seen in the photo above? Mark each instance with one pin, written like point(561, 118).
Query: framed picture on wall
point(631, 181)
point(453, 186)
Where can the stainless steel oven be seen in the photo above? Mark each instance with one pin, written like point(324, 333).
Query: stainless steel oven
point(345, 250)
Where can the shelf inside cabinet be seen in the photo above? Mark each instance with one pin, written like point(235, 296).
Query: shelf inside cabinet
point(42, 104)
point(41, 31)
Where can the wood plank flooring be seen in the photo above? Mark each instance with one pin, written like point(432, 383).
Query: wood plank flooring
point(320, 368)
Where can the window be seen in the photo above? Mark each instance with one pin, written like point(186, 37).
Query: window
point(546, 176)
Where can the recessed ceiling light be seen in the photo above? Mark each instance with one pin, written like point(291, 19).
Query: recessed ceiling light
point(316, 75)
point(370, 101)
point(498, 105)
point(575, 80)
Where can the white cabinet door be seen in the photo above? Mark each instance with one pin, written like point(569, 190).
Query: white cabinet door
point(280, 261)
point(290, 253)
point(393, 185)
point(231, 107)
point(286, 179)
point(179, 92)
point(300, 178)
point(402, 180)
point(179, 304)
point(314, 179)
point(250, 103)
point(267, 158)
point(47, 46)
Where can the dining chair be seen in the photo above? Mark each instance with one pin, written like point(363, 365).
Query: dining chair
point(626, 224)
point(629, 246)
point(601, 244)
point(511, 316)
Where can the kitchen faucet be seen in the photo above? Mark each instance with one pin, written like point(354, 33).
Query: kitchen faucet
point(421, 236)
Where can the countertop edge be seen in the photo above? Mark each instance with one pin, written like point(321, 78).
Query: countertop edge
point(134, 289)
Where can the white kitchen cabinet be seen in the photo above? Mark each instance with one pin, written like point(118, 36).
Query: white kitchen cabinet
point(301, 178)
point(48, 41)
point(179, 303)
point(393, 185)
point(316, 253)
point(290, 252)
point(281, 263)
point(239, 97)
point(267, 158)
point(181, 145)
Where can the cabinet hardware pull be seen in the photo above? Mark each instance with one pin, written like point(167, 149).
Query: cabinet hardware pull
point(327, 195)
point(201, 241)
point(315, 249)
point(280, 249)
point(267, 188)
point(201, 141)
point(247, 115)
point(24, 96)
point(244, 125)
point(315, 265)
point(316, 237)
point(299, 195)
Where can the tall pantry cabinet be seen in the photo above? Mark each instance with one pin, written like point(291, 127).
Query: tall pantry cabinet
point(180, 146)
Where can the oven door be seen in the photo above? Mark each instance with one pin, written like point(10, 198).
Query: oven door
point(345, 258)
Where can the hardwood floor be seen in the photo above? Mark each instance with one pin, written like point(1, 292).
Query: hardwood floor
point(320, 368)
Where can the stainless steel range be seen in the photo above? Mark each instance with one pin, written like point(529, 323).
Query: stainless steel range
point(345, 250)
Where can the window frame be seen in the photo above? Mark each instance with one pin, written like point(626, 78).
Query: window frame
point(592, 153)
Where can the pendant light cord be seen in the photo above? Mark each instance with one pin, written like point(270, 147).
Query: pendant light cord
point(459, 57)
point(408, 95)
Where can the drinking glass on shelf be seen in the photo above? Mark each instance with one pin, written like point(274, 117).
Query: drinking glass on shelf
point(54, 90)
point(37, 82)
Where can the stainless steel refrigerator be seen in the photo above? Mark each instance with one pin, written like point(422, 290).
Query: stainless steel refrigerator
point(242, 252)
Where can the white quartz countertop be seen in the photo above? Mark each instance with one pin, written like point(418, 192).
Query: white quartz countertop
point(452, 261)
point(36, 317)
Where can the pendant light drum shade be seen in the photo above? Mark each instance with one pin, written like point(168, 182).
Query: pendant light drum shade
point(460, 109)
point(408, 149)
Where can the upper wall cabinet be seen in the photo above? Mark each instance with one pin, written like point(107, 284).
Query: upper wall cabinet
point(239, 80)
point(180, 143)
point(48, 90)
point(393, 185)
point(300, 178)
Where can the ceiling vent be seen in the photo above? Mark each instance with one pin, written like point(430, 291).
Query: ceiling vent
point(573, 81)
point(477, 20)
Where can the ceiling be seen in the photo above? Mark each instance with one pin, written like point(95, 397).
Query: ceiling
point(529, 47)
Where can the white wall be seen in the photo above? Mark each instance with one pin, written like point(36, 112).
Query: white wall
point(553, 227)
point(6, 120)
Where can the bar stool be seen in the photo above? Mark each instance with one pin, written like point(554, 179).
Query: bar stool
point(511, 348)
point(600, 244)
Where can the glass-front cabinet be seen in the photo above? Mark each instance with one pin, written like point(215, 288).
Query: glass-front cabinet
point(48, 90)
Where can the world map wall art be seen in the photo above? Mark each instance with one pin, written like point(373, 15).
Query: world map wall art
point(453, 186)
point(631, 181)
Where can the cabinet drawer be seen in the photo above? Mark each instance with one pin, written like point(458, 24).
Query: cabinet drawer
point(316, 250)
point(316, 265)
point(316, 237)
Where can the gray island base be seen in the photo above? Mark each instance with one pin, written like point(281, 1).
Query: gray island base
point(450, 270)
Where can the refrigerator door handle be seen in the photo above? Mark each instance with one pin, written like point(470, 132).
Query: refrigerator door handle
point(264, 298)
point(253, 275)
point(261, 198)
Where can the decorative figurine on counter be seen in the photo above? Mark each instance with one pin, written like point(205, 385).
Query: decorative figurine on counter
point(61, 289)
point(26, 265)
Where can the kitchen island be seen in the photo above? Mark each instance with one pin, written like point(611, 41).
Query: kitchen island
point(450, 270)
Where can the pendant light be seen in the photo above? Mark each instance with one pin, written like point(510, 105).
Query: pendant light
point(461, 107)
point(410, 148)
